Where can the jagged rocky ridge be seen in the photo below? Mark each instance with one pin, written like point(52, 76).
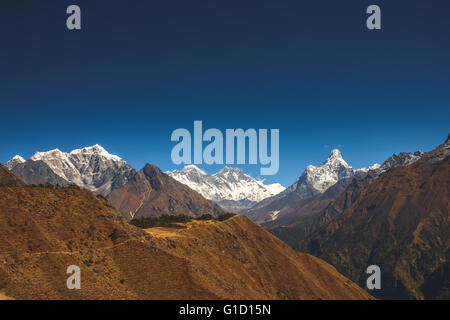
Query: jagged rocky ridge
point(318, 211)
point(151, 193)
point(92, 168)
point(230, 187)
point(317, 186)
point(399, 220)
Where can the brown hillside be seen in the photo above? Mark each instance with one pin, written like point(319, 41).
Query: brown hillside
point(3, 297)
point(38, 172)
point(400, 222)
point(152, 193)
point(237, 259)
point(308, 224)
point(45, 230)
point(8, 179)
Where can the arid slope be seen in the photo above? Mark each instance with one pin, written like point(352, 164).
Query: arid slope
point(236, 259)
point(43, 230)
point(400, 222)
point(8, 179)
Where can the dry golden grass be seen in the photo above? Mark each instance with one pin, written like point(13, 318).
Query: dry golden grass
point(3, 297)
point(236, 259)
point(44, 230)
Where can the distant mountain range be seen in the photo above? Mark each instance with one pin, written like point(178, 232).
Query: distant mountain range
point(395, 215)
point(151, 192)
point(317, 186)
point(91, 168)
point(147, 193)
point(399, 220)
point(230, 187)
point(305, 215)
point(94, 169)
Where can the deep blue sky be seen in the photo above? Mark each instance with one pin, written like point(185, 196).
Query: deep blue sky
point(140, 69)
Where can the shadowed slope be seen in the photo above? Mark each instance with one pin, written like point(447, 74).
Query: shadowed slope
point(8, 179)
point(152, 193)
point(400, 222)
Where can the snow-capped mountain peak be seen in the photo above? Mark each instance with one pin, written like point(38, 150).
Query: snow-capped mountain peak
point(92, 168)
point(228, 169)
point(229, 184)
point(335, 160)
point(193, 168)
point(18, 158)
point(317, 179)
point(96, 150)
point(60, 164)
point(48, 154)
point(233, 175)
point(14, 162)
point(335, 154)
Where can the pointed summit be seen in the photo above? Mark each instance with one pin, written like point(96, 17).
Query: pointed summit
point(229, 185)
point(233, 175)
point(152, 170)
point(335, 154)
point(19, 158)
point(14, 162)
point(193, 167)
point(317, 179)
point(227, 169)
point(152, 193)
point(96, 150)
point(335, 160)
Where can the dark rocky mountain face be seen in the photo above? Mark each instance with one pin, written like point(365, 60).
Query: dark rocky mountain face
point(316, 188)
point(306, 216)
point(152, 193)
point(319, 212)
point(402, 159)
point(149, 192)
point(38, 172)
point(400, 222)
point(100, 171)
point(8, 179)
point(311, 206)
point(91, 168)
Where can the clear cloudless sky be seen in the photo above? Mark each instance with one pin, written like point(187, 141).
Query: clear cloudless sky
point(140, 69)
